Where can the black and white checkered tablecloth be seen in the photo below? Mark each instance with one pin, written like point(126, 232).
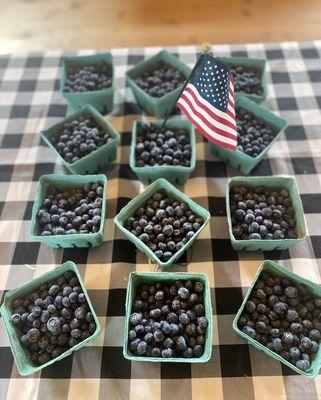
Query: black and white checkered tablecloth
point(29, 101)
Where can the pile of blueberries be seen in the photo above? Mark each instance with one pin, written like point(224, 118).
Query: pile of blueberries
point(284, 317)
point(162, 146)
point(160, 80)
point(87, 78)
point(53, 319)
point(164, 224)
point(247, 81)
point(259, 213)
point(253, 135)
point(74, 211)
point(79, 137)
point(168, 320)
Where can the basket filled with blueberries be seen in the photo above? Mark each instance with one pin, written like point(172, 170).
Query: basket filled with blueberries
point(249, 77)
point(88, 80)
point(85, 142)
point(257, 131)
point(264, 213)
point(168, 318)
point(167, 152)
point(157, 81)
point(69, 211)
point(48, 318)
point(280, 315)
point(162, 222)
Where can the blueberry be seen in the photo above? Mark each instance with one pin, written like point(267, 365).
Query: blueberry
point(291, 292)
point(167, 353)
point(302, 364)
point(159, 336)
point(53, 325)
point(33, 335)
point(141, 348)
point(156, 352)
point(315, 335)
point(249, 331)
point(135, 319)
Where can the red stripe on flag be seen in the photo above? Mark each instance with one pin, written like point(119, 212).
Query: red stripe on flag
point(221, 143)
point(208, 111)
point(214, 128)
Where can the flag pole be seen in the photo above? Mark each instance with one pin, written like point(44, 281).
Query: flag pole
point(206, 47)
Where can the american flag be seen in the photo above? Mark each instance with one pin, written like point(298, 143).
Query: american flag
point(208, 101)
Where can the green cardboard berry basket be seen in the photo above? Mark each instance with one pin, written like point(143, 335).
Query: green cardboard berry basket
point(21, 355)
point(239, 160)
point(252, 64)
point(67, 182)
point(102, 100)
point(157, 106)
point(138, 278)
point(173, 173)
point(161, 185)
point(269, 183)
point(278, 270)
point(97, 159)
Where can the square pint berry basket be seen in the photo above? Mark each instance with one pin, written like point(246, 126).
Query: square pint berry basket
point(67, 182)
point(161, 185)
point(272, 184)
point(97, 159)
point(239, 160)
point(139, 278)
point(251, 64)
point(157, 106)
point(102, 100)
point(278, 270)
point(173, 173)
point(21, 355)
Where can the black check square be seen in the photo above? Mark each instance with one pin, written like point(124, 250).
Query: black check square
point(311, 203)
point(11, 141)
point(59, 370)
point(310, 53)
point(287, 103)
point(5, 173)
point(116, 302)
point(134, 59)
point(176, 371)
point(57, 110)
point(43, 169)
point(34, 62)
point(124, 251)
point(315, 76)
point(223, 251)
point(77, 255)
point(280, 77)
point(274, 54)
point(27, 86)
point(114, 365)
point(19, 111)
point(25, 253)
point(228, 300)
point(6, 363)
point(303, 165)
point(235, 360)
point(295, 132)
point(217, 206)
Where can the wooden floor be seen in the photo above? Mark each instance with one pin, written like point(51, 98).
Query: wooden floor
point(47, 24)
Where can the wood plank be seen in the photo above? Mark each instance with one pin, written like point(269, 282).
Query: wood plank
point(40, 25)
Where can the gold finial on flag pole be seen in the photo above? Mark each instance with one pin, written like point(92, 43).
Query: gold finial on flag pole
point(206, 47)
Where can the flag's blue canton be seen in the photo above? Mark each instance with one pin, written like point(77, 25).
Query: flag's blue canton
point(212, 80)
